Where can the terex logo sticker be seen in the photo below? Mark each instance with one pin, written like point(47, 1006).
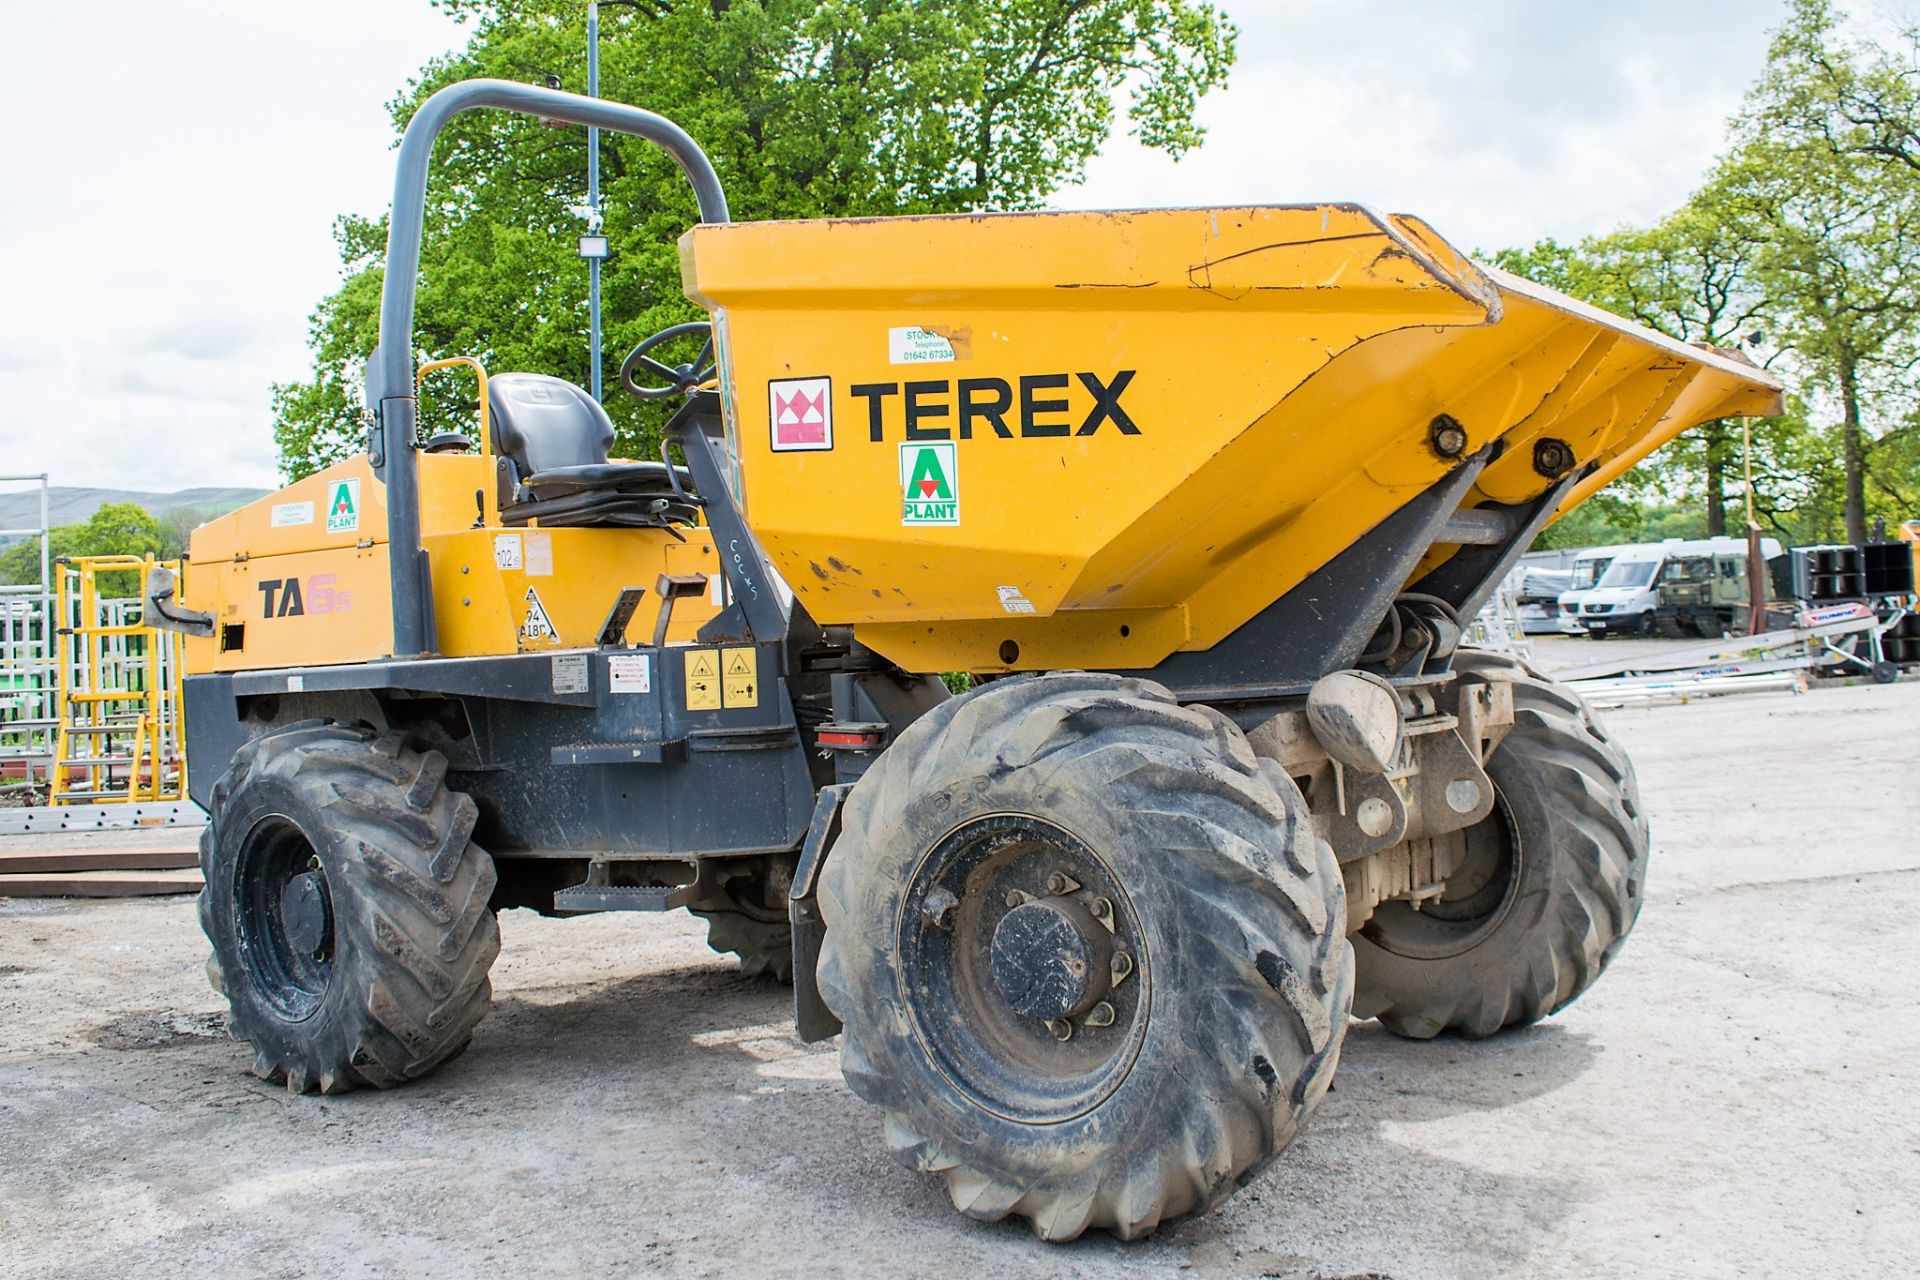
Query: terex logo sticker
point(801, 410)
point(1032, 405)
point(343, 506)
point(930, 484)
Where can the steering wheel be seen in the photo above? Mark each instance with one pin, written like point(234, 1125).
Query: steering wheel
point(679, 377)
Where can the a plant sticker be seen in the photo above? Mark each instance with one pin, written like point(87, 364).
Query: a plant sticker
point(930, 484)
point(343, 506)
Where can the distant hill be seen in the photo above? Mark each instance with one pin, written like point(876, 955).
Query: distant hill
point(20, 507)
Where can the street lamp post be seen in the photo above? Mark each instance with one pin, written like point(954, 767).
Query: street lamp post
point(593, 245)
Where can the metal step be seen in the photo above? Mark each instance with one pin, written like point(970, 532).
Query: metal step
point(622, 897)
point(101, 817)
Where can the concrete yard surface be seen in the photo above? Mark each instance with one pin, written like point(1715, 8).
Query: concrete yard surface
point(1738, 1096)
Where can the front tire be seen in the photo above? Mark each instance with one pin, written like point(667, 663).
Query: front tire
point(348, 908)
point(1087, 952)
point(1557, 869)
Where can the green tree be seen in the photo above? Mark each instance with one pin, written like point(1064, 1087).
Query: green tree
point(116, 529)
point(1825, 177)
point(1692, 277)
point(808, 108)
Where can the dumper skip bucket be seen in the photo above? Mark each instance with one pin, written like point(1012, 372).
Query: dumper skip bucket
point(1118, 436)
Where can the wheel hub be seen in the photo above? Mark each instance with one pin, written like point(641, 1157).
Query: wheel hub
point(1023, 967)
point(1051, 959)
point(284, 925)
point(306, 912)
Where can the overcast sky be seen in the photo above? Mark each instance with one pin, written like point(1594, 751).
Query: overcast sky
point(169, 175)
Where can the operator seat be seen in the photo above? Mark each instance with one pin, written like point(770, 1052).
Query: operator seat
point(552, 440)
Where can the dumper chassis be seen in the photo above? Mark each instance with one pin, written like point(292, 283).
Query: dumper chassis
point(1091, 937)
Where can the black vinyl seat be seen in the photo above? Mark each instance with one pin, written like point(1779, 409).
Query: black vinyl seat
point(552, 439)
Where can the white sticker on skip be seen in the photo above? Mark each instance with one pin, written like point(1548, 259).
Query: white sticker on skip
point(539, 555)
point(288, 514)
point(506, 550)
point(630, 673)
point(914, 345)
point(570, 673)
point(1012, 601)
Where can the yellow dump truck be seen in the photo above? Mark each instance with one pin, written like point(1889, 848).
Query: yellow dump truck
point(1200, 499)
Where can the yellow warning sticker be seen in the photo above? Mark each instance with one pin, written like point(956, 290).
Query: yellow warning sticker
point(742, 679)
point(703, 680)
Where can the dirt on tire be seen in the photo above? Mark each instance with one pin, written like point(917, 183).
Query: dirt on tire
point(413, 934)
point(1239, 912)
point(1576, 840)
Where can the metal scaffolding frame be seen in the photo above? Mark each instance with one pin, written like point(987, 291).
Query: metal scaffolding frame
point(119, 735)
point(29, 710)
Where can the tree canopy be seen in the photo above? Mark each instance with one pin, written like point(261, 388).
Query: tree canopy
point(115, 529)
point(808, 108)
point(1802, 248)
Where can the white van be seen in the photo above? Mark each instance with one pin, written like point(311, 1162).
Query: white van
point(1587, 567)
point(1627, 594)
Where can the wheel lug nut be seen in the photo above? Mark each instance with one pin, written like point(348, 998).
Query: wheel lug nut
point(1101, 1015)
point(1061, 1028)
point(1017, 896)
point(1103, 912)
point(1060, 883)
point(937, 907)
point(1122, 966)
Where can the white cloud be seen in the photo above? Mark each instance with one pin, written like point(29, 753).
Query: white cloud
point(169, 175)
point(1499, 122)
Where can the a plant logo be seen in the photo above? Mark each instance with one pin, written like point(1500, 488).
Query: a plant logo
point(343, 506)
point(929, 483)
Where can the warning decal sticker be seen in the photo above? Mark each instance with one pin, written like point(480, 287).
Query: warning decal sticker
point(538, 625)
point(630, 673)
point(738, 683)
point(801, 411)
point(703, 680)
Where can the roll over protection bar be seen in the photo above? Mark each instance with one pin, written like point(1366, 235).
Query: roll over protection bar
point(390, 375)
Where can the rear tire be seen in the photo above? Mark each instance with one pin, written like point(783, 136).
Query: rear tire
point(1222, 915)
point(347, 906)
point(1565, 855)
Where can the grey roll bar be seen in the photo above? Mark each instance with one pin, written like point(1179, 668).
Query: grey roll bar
point(390, 387)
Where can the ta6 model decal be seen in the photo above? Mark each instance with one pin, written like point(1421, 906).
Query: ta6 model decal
point(801, 411)
point(290, 598)
point(930, 484)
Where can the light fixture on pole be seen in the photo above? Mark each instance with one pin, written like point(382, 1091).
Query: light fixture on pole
point(593, 245)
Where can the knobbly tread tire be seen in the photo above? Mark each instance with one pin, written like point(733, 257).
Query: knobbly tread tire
point(414, 932)
point(1241, 912)
point(765, 947)
point(1572, 796)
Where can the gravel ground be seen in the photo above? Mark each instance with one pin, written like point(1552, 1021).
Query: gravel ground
point(1739, 1096)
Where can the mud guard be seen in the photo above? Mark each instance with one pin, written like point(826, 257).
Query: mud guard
point(812, 1019)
